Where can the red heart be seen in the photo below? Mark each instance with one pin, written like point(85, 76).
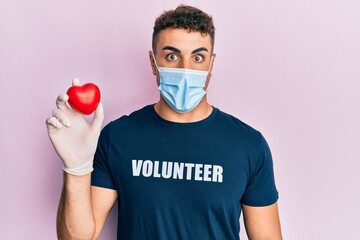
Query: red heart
point(84, 98)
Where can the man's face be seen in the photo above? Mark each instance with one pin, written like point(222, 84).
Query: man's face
point(179, 48)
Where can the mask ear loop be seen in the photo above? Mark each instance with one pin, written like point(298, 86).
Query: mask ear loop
point(157, 67)
point(210, 63)
point(209, 72)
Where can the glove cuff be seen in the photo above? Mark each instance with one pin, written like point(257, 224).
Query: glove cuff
point(81, 169)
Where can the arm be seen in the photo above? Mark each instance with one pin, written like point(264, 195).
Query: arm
point(74, 217)
point(103, 199)
point(262, 223)
point(83, 209)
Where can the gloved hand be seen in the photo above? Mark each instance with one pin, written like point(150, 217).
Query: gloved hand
point(74, 140)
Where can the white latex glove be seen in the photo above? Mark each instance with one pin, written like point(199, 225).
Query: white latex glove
point(74, 140)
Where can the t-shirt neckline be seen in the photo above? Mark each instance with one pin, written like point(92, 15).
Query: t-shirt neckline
point(189, 125)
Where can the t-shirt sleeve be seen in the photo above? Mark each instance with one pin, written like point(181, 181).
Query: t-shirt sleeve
point(101, 176)
point(260, 189)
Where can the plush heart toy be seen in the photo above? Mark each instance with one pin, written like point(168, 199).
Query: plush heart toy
point(84, 98)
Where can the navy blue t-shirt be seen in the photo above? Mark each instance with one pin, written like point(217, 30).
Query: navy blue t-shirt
point(183, 180)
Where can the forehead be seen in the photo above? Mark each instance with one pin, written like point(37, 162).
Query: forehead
point(183, 39)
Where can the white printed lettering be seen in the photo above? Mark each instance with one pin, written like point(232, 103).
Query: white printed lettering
point(217, 174)
point(207, 172)
point(176, 170)
point(136, 167)
point(166, 169)
point(156, 169)
point(147, 168)
point(189, 167)
point(198, 172)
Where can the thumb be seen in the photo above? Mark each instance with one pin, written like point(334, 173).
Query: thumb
point(98, 118)
point(76, 82)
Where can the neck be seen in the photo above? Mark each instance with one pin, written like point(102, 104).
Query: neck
point(200, 112)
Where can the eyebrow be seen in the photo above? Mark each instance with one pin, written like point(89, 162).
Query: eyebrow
point(199, 50)
point(171, 49)
point(174, 49)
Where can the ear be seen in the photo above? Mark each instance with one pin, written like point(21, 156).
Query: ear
point(212, 63)
point(152, 63)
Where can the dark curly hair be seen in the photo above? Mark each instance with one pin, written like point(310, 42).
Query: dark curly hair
point(185, 17)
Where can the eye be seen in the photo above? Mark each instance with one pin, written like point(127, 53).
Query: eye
point(172, 57)
point(198, 58)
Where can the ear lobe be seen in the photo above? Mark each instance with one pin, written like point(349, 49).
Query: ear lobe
point(212, 62)
point(213, 58)
point(152, 63)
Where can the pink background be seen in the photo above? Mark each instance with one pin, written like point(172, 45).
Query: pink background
point(290, 69)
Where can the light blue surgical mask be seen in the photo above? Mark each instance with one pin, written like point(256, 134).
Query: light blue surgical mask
point(182, 88)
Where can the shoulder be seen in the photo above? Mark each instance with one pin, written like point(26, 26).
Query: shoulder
point(234, 125)
point(127, 122)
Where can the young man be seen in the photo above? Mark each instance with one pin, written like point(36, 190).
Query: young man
point(179, 168)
